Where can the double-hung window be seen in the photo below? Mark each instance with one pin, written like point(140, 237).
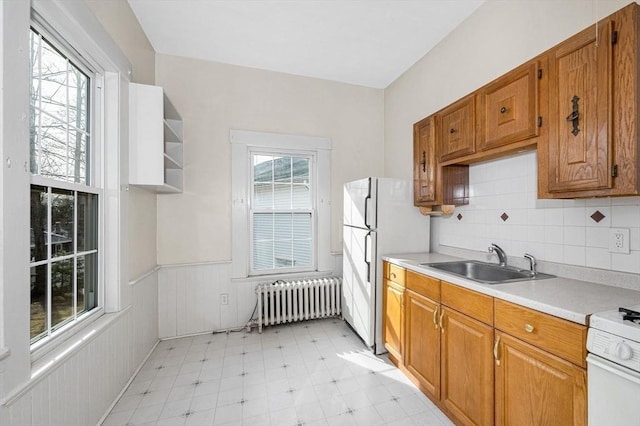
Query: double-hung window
point(281, 200)
point(65, 191)
point(282, 212)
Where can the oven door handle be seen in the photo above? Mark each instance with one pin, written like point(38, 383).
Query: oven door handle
point(614, 368)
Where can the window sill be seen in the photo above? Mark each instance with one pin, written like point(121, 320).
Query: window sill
point(64, 335)
point(55, 357)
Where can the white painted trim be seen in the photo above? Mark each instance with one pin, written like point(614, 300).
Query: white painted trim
point(182, 265)
point(278, 140)
point(144, 276)
point(73, 20)
point(242, 141)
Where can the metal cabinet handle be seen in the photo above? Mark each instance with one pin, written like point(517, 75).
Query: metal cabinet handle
point(574, 117)
point(452, 131)
point(529, 328)
point(503, 110)
point(423, 163)
point(495, 350)
point(440, 321)
point(393, 275)
point(435, 314)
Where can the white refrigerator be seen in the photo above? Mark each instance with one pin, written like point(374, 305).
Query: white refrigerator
point(379, 218)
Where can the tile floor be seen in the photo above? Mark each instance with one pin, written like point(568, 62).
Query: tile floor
point(310, 373)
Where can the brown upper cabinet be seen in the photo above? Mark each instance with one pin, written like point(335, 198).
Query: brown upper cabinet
point(425, 166)
point(591, 148)
point(578, 103)
point(456, 129)
point(508, 108)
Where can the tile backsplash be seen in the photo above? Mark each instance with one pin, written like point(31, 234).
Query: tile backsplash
point(504, 209)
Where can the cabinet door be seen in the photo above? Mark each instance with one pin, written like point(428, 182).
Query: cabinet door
point(456, 129)
point(580, 90)
point(422, 342)
point(467, 369)
point(534, 387)
point(424, 162)
point(509, 108)
point(392, 319)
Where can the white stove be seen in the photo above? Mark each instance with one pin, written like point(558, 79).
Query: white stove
point(613, 363)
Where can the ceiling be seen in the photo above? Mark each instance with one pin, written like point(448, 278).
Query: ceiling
point(363, 42)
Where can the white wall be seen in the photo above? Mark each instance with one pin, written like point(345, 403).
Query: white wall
point(213, 98)
point(499, 36)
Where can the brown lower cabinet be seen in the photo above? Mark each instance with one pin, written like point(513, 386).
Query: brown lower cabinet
point(466, 370)
point(443, 338)
point(422, 342)
point(534, 387)
point(393, 320)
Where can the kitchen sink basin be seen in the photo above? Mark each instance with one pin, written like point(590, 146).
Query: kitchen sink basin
point(487, 273)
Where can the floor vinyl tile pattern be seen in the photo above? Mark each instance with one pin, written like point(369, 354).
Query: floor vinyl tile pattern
point(303, 374)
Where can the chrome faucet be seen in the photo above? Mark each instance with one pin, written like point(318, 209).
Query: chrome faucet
point(532, 262)
point(502, 257)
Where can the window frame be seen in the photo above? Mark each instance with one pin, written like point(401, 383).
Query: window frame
point(73, 24)
point(57, 334)
point(242, 141)
point(311, 155)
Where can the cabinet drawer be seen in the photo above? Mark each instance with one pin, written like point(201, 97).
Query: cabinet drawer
point(563, 338)
point(474, 304)
point(394, 273)
point(424, 285)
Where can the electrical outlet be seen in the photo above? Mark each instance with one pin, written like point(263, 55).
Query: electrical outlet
point(619, 240)
point(224, 298)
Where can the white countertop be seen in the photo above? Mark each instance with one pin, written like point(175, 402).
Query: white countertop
point(566, 298)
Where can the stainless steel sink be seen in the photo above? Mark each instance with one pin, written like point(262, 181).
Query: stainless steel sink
point(487, 273)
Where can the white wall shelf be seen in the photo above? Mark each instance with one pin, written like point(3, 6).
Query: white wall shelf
point(155, 140)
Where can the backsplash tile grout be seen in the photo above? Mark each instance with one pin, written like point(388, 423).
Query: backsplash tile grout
point(504, 209)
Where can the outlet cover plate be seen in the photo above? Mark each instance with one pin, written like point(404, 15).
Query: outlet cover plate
point(619, 240)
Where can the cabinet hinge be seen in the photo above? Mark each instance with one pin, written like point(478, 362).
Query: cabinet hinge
point(539, 74)
point(614, 37)
point(614, 170)
point(539, 121)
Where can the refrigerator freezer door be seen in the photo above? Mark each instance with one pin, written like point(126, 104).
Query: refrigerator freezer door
point(360, 203)
point(359, 282)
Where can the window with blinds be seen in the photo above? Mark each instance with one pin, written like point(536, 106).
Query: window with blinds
point(282, 213)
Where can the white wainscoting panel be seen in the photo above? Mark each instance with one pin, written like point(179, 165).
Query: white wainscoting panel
point(189, 297)
point(81, 389)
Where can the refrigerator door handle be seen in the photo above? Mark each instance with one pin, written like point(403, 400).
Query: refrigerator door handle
point(366, 206)
point(366, 255)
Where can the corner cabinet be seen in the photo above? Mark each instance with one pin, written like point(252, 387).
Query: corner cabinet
point(433, 184)
point(155, 140)
point(424, 163)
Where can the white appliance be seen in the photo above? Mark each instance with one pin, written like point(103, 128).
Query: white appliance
point(613, 368)
point(379, 218)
